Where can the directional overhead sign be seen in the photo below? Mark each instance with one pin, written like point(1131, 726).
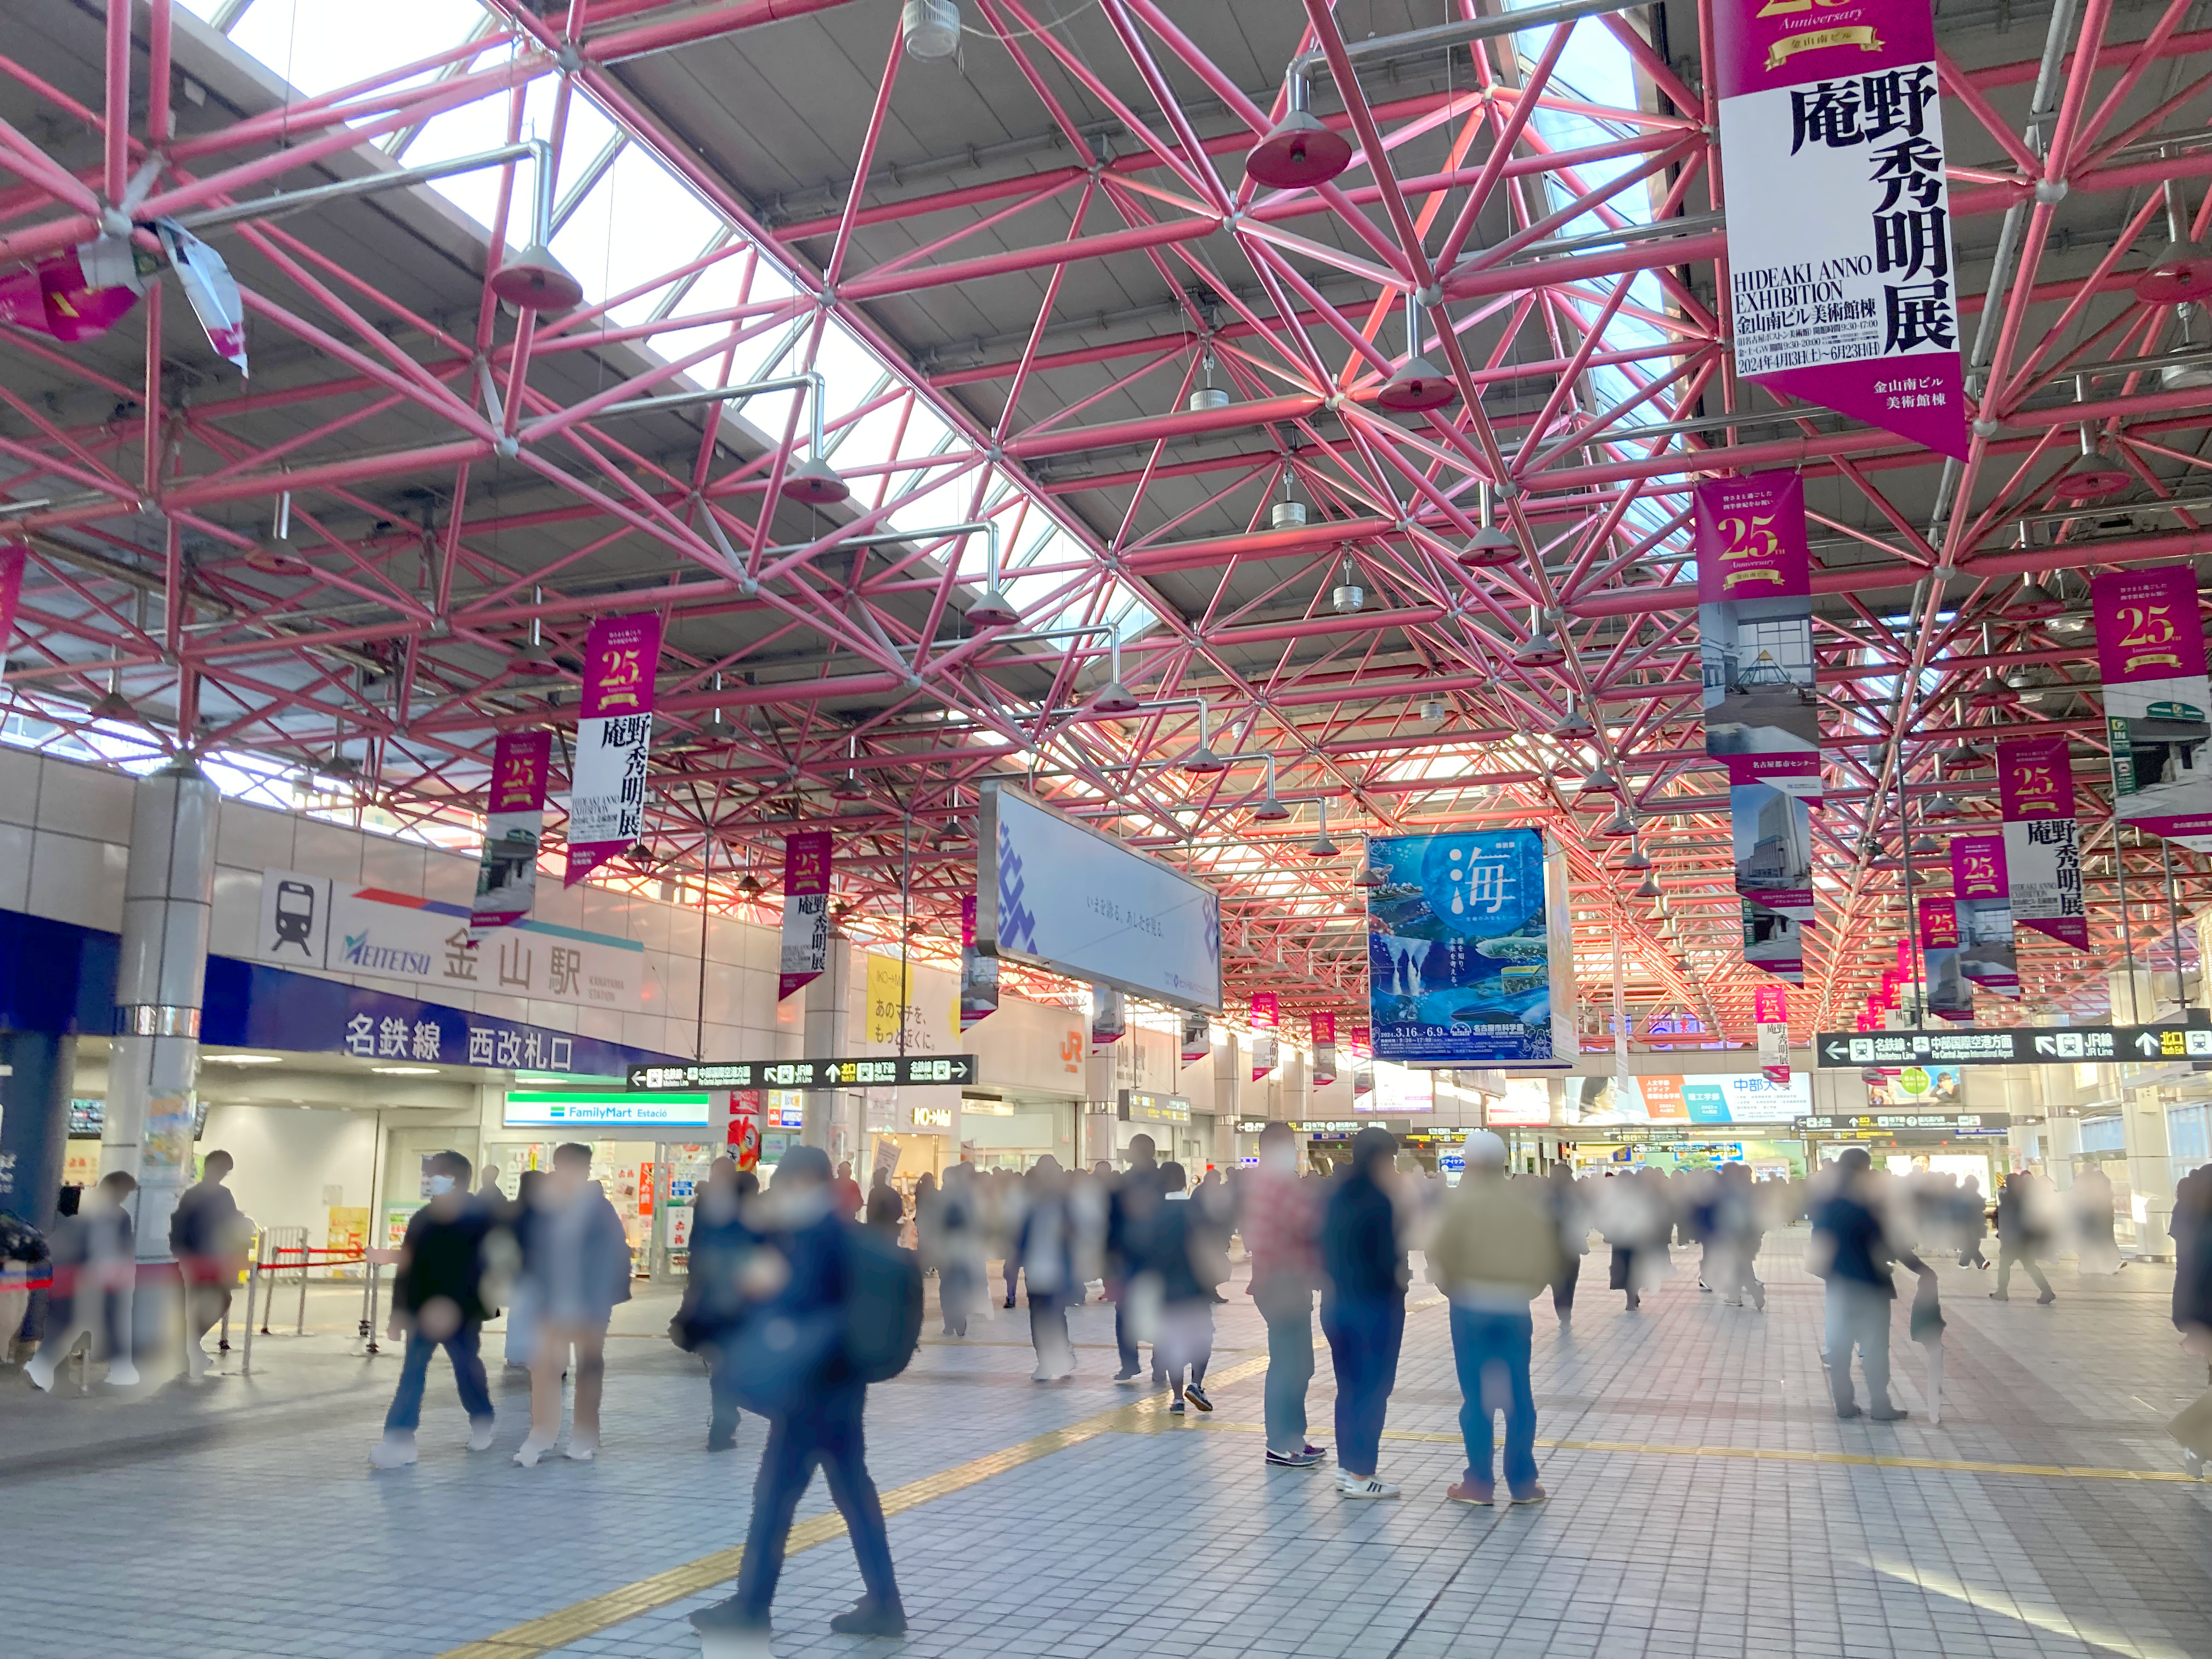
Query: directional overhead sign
point(2017, 1046)
point(884, 1072)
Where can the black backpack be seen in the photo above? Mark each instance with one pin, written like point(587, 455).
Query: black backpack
point(882, 1304)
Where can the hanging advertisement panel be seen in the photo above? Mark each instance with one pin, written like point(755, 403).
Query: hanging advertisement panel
point(1460, 948)
point(1109, 1016)
point(1323, 1030)
point(1267, 1017)
point(1061, 895)
point(2042, 839)
point(1197, 1037)
point(1723, 1097)
point(13, 557)
point(1770, 1015)
point(1982, 900)
point(614, 735)
point(979, 974)
point(1950, 993)
point(2157, 707)
point(805, 956)
point(514, 820)
point(1841, 290)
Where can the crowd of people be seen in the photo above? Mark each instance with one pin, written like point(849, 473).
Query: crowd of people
point(802, 1291)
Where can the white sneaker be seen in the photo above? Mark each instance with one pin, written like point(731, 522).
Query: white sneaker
point(581, 1451)
point(1355, 1486)
point(196, 1363)
point(122, 1373)
point(41, 1373)
point(531, 1450)
point(395, 1451)
point(480, 1429)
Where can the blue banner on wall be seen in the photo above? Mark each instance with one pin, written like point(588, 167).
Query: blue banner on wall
point(1459, 955)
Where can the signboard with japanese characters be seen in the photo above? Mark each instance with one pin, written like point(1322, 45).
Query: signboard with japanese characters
point(1266, 1015)
point(614, 735)
point(1841, 286)
point(308, 921)
point(2158, 701)
point(2042, 839)
point(1982, 901)
point(805, 956)
point(514, 819)
point(2021, 1045)
point(1323, 1027)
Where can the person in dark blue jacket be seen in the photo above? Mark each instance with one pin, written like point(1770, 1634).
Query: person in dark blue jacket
point(798, 1271)
point(1363, 1307)
point(722, 1242)
point(1851, 1250)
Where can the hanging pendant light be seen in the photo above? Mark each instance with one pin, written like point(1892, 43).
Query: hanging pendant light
point(275, 554)
point(1648, 888)
point(1621, 825)
point(1368, 876)
point(1539, 649)
point(1289, 513)
point(1321, 846)
point(1349, 596)
point(2092, 476)
point(1417, 385)
point(1489, 547)
point(1206, 395)
point(2033, 602)
point(2183, 269)
point(1299, 151)
point(930, 29)
point(1598, 781)
point(1637, 859)
point(1573, 725)
point(816, 482)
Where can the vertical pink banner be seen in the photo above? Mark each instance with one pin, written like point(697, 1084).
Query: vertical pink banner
point(1323, 1027)
point(1981, 899)
point(13, 555)
point(1267, 1018)
point(1770, 1005)
point(2158, 703)
point(805, 956)
point(613, 741)
point(514, 823)
point(979, 975)
point(2042, 838)
point(1950, 993)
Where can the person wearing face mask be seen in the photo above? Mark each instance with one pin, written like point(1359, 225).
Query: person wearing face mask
point(437, 1301)
point(575, 1262)
point(1281, 1223)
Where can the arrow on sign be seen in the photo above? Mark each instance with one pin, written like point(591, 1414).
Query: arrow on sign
point(960, 1071)
point(1836, 1050)
point(2146, 1043)
point(2044, 1045)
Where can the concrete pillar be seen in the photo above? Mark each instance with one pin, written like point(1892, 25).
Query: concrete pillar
point(828, 997)
point(34, 1099)
point(153, 1065)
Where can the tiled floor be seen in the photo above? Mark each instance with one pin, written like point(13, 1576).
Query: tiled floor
point(241, 1519)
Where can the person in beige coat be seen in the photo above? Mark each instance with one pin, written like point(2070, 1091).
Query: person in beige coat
point(1494, 1250)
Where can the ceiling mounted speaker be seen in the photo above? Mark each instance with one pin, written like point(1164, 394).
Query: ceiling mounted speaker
point(930, 28)
point(1287, 516)
point(535, 281)
point(1300, 152)
point(2183, 270)
point(816, 482)
point(1418, 384)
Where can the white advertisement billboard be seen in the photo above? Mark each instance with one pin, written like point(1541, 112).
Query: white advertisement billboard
point(1061, 895)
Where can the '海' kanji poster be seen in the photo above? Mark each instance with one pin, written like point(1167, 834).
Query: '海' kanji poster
point(1841, 290)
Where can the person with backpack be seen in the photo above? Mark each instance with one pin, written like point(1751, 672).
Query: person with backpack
point(438, 1301)
point(838, 1307)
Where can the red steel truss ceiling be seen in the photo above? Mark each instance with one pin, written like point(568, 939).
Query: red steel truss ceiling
point(1043, 242)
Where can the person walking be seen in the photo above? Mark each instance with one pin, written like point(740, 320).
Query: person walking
point(2093, 1220)
point(886, 1210)
point(1571, 1218)
point(1495, 1247)
point(488, 1191)
point(94, 1258)
point(1009, 1197)
point(1280, 1218)
point(821, 1425)
point(521, 1299)
point(2020, 1237)
point(1044, 1249)
point(958, 1240)
point(1850, 1251)
point(2191, 1228)
point(575, 1259)
point(208, 1236)
point(846, 1197)
point(1130, 1212)
point(1187, 1256)
point(1739, 1234)
point(1362, 1309)
point(437, 1301)
point(722, 1242)
point(1973, 1222)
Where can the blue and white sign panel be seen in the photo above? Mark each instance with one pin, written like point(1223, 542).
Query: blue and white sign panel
point(1057, 893)
point(1460, 951)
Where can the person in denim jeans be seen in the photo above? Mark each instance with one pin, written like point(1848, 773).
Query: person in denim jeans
point(1363, 1308)
point(1496, 1248)
point(437, 1301)
point(1281, 1219)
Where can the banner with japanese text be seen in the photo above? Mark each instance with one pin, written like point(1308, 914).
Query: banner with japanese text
point(1981, 897)
point(1361, 1047)
point(1324, 1049)
point(614, 737)
point(1197, 1037)
point(13, 557)
point(2042, 839)
point(1761, 708)
point(1769, 1005)
point(514, 822)
point(1950, 993)
point(1109, 1016)
point(979, 974)
point(2158, 706)
point(1267, 1018)
point(1841, 290)
point(805, 956)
